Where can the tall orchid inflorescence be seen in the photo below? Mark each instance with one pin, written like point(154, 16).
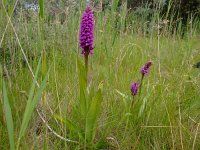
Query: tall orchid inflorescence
point(87, 94)
point(134, 90)
point(135, 86)
point(145, 69)
point(86, 37)
point(87, 32)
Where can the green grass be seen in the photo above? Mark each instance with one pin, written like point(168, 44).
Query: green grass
point(165, 116)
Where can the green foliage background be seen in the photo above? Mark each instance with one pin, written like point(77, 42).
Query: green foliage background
point(166, 115)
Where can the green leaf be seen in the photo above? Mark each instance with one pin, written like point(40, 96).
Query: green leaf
point(31, 93)
point(92, 116)
point(31, 104)
point(9, 120)
point(30, 97)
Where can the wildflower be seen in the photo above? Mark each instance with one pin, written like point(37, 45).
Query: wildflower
point(145, 69)
point(87, 32)
point(134, 88)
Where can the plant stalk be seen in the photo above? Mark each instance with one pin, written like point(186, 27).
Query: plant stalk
point(86, 66)
point(141, 82)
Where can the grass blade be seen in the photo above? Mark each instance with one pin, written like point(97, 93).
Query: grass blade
point(30, 97)
point(9, 120)
point(114, 5)
point(30, 107)
point(41, 5)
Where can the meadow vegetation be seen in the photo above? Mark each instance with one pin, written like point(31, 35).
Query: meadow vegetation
point(47, 104)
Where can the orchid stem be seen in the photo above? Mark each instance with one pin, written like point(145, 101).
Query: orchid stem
point(86, 66)
point(141, 82)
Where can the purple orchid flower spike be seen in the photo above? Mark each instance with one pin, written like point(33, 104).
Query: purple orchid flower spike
point(86, 37)
point(145, 69)
point(134, 88)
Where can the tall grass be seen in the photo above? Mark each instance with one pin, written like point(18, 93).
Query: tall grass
point(167, 114)
point(9, 120)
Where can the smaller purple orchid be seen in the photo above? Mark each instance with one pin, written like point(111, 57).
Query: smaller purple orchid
point(134, 88)
point(145, 69)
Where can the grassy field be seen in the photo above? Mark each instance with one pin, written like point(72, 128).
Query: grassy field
point(165, 114)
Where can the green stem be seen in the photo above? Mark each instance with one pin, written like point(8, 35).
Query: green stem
point(86, 66)
point(141, 82)
point(132, 102)
point(86, 70)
